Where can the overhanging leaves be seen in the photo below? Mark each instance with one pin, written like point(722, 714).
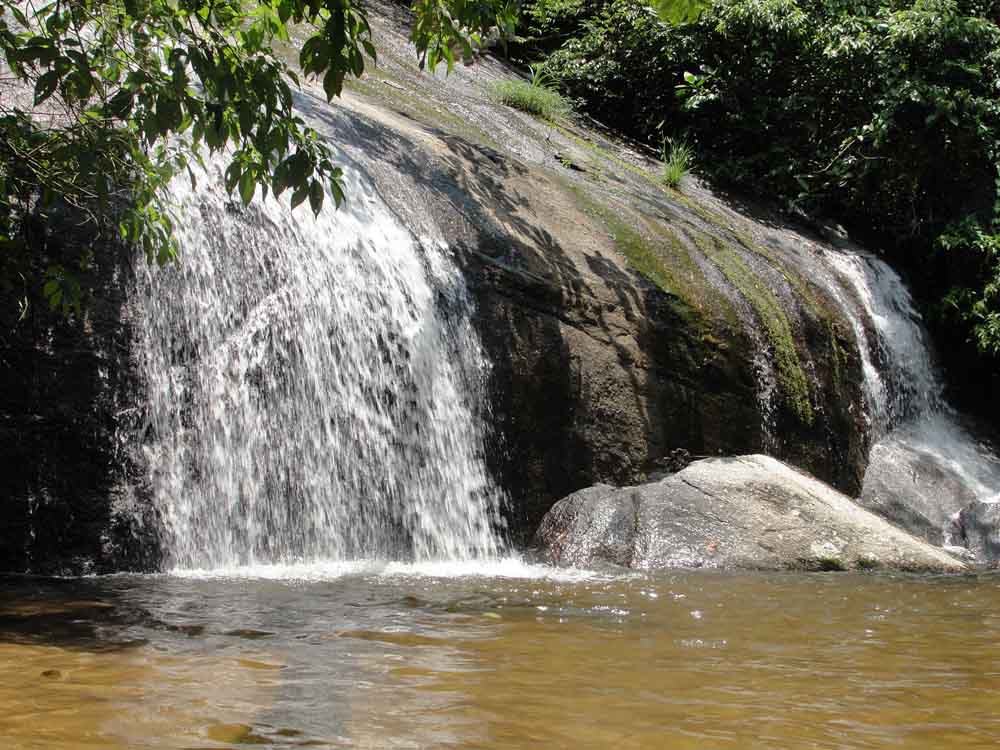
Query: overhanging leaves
point(144, 87)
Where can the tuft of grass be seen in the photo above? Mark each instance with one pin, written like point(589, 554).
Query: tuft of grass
point(536, 97)
point(677, 157)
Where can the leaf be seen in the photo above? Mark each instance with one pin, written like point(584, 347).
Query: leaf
point(678, 12)
point(316, 196)
point(45, 85)
point(168, 114)
point(333, 83)
point(299, 195)
point(338, 193)
point(299, 168)
point(18, 14)
point(233, 174)
point(246, 119)
point(357, 63)
point(247, 187)
point(214, 136)
point(120, 104)
point(284, 10)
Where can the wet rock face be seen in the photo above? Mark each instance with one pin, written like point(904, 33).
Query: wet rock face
point(621, 325)
point(913, 489)
point(750, 512)
point(977, 528)
point(607, 316)
point(64, 390)
point(937, 478)
point(585, 391)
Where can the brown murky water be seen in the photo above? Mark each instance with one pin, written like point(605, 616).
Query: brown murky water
point(372, 660)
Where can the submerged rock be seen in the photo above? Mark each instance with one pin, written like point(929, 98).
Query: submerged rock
point(745, 512)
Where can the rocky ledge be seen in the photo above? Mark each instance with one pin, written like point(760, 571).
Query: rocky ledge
point(748, 512)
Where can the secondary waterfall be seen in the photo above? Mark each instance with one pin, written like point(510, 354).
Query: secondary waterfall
point(314, 387)
point(919, 443)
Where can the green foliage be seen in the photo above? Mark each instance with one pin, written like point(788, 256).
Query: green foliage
point(622, 66)
point(677, 157)
point(104, 103)
point(547, 24)
point(974, 304)
point(680, 11)
point(884, 115)
point(446, 30)
point(536, 97)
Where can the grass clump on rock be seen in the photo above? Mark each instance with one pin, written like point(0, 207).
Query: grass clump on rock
point(536, 97)
point(676, 164)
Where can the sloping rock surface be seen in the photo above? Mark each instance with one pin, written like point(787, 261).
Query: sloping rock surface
point(623, 321)
point(746, 512)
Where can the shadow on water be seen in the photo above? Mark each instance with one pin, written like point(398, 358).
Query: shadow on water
point(73, 613)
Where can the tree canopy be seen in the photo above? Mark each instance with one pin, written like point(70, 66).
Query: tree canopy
point(103, 102)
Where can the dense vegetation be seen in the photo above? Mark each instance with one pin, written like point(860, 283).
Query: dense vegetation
point(881, 115)
point(103, 102)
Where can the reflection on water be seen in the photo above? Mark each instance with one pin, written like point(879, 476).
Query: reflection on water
point(372, 660)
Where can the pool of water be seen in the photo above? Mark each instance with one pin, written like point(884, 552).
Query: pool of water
point(501, 656)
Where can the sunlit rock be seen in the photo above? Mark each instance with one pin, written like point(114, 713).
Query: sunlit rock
point(750, 512)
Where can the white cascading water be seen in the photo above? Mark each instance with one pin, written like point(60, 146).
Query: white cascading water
point(903, 390)
point(314, 387)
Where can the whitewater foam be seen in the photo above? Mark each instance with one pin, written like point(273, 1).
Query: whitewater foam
point(510, 567)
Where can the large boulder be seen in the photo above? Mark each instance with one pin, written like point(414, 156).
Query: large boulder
point(749, 512)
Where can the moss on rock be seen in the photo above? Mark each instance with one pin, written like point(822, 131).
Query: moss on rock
point(792, 380)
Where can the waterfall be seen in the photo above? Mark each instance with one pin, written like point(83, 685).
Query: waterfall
point(922, 455)
point(314, 387)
